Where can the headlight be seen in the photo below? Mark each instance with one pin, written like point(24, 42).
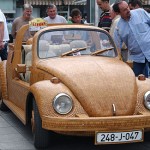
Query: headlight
point(62, 103)
point(147, 100)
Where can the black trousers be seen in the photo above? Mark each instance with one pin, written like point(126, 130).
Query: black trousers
point(3, 52)
point(141, 68)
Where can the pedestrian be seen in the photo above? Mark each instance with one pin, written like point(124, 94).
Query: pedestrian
point(115, 18)
point(85, 19)
point(134, 4)
point(9, 26)
point(105, 19)
point(4, 36)
point(23, 20)
point(133, 29)
point(147, 9)
point(76, 16)
point(53, 17)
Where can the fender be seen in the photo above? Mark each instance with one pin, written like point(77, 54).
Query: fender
point(3, 81)
point(143, 87)
point(44, 93)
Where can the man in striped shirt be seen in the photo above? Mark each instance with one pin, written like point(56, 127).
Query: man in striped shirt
point(105, 19)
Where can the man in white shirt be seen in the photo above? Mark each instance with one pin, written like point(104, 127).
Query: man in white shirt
point(4, 36)
point(133, 29)
point(53, 17)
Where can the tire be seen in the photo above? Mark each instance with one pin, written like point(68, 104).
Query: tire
point(147, 136)
point(3, 107)
point(0, 92)
point(40, 135)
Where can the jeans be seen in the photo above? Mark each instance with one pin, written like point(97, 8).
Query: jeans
point(3, 52)
point(141, 68)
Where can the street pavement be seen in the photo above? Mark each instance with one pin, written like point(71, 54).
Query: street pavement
point(15, 136)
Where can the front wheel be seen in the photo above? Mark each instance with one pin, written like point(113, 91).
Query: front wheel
point(3, 107)
point(40, 135)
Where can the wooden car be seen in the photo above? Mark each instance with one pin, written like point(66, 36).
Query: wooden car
point(69, 79)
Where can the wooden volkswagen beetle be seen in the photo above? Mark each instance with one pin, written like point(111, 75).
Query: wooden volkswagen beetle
point(70, 80)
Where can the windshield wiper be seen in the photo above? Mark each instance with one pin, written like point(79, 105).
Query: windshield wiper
point(101, 51)
point(75, 50)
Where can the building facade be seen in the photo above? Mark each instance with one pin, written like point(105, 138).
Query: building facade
point(8, 7)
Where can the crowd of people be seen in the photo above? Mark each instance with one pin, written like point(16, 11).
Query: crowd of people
point(128, 24)
point(130, 29)
point(8, 30)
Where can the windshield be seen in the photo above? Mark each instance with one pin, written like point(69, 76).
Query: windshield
point(75, 42)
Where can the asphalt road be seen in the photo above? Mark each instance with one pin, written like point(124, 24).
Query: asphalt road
point(15, 136)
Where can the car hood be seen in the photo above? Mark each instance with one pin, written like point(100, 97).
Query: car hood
point(103, 86)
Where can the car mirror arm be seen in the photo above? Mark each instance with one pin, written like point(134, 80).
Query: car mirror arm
point(21, 68)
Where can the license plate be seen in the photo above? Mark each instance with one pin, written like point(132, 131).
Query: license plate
point(119, 137)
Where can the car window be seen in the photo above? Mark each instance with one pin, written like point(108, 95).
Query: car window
point(75, 42)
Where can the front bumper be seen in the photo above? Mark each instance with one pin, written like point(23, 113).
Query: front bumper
point(96, 123)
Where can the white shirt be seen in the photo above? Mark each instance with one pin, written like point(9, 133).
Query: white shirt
point(113, 25)
point(3, 19)
point(57, 19)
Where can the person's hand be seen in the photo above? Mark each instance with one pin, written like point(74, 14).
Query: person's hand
point(1, 45)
